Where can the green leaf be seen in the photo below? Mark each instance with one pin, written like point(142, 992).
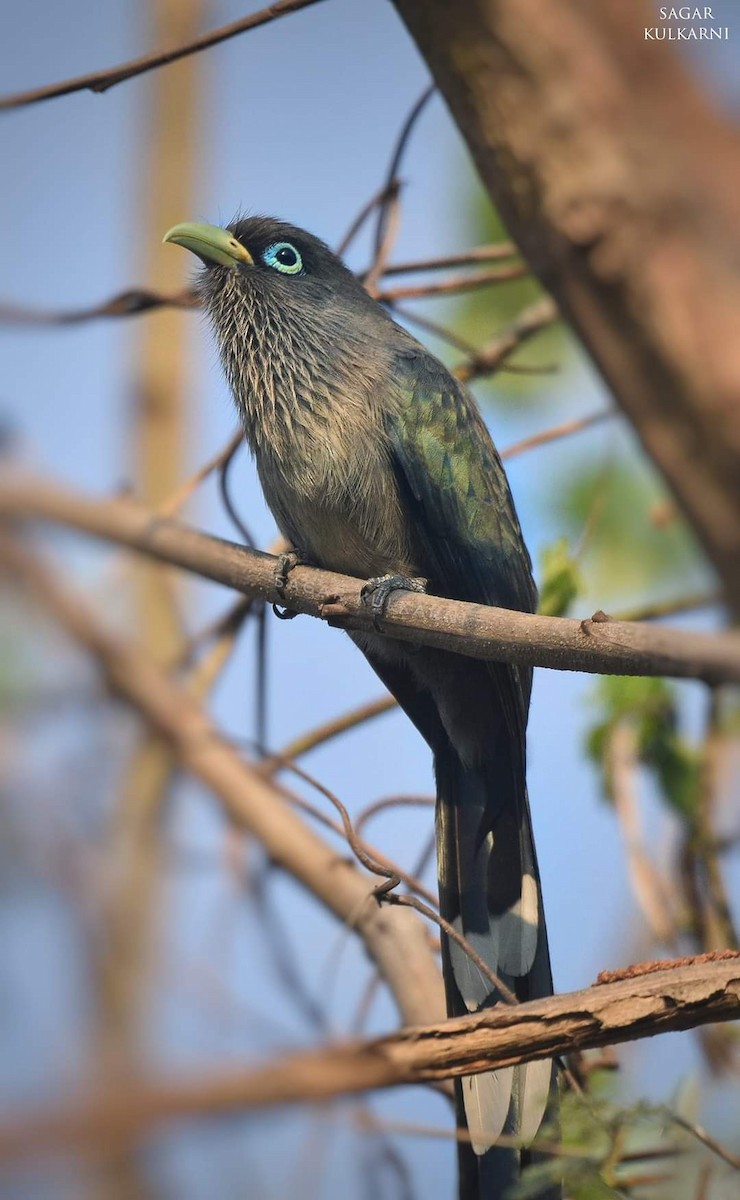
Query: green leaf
point(650, 707)
point(633, 541)
point(560, 579)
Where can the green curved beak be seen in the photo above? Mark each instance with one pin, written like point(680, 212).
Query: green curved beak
point(210, 243)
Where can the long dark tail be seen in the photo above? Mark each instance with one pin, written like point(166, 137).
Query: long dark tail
point(490, 892)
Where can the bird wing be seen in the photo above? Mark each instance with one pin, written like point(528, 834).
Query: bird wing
point(459, 505)
point(469, 542)
point(456, 488)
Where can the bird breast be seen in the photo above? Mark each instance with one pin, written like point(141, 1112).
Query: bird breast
point(336, 500)
point(312, 389)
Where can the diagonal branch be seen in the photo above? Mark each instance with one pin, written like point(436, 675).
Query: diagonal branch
point(555, 433)
point(467, 258)
point(538, 315)
point(395, 940)
point(454, 285)
point(598, 645)
point(677, 997)
point(130, 303)
point(101, 81)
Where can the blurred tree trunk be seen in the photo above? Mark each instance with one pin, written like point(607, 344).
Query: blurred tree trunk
point(160, 379)
point(162, 359)
point(622, 187)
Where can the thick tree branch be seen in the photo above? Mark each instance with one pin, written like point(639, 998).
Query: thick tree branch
point(571, 117)
point(639, 1006)
point(599, 645)
point(394, 938)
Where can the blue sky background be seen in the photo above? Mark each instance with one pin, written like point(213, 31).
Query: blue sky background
point(297, 120)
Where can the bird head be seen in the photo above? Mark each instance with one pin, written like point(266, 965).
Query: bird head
point(262, 257)
point(291, 321)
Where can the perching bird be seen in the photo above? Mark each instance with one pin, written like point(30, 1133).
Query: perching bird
point(376, 463)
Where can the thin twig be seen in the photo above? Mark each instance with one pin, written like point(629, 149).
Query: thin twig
point(453, 286)
point(555, 1149)
point(130, 303)
point(396, 159)
point(172, 506)
point(701, 1135)
point(434, 327)
point(412, 317)
point(224, 479)
point(391, 227)
point(215, 629)
point(330, 729)
point(371, 859)
point(136, 301)
point(534, 318)
point(378, 864)
point(378, 198)
point(468, 258)
point(504, 993)
point(101, 81)
point(669, 608)
point(418, 870)
point(379, 806)
point(365, 212)
point(555, 433)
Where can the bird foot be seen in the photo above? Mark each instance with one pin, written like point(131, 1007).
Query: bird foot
point(287, 561)
point(376, 592)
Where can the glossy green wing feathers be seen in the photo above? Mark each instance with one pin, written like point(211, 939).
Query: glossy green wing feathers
point(452, 469)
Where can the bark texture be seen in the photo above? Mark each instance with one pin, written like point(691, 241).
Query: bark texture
point(673, 997)
point(621, 185)
point(598, 645)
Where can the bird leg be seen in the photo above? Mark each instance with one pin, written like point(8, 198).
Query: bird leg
point(287, 561)
point(377, 591)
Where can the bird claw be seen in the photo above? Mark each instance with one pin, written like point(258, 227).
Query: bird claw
point(283, 614)
point(286, 562)
point(377, 592)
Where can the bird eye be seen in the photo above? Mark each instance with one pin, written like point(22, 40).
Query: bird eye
point(283, 257)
